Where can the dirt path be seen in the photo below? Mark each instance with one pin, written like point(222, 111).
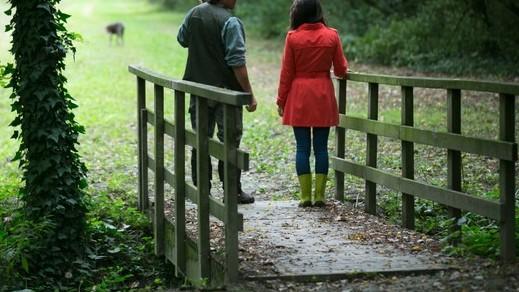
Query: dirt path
point(282, 240)
point(340, 248)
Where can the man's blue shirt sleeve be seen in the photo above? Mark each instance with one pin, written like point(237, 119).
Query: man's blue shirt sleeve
point(233, 36)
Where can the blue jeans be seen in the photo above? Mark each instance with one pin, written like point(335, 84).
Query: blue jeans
point(304, 141)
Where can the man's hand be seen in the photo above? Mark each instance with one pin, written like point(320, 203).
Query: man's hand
point(243, 78)
point(280, 111)
point(252, 107)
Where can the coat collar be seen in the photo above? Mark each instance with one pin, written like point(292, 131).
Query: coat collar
point(311, 26)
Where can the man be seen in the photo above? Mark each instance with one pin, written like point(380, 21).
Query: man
point(216, 56)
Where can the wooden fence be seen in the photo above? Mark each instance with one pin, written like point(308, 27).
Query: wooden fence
point(504, 149)
point(191, 257)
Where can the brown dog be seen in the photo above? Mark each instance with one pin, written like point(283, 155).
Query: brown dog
point(116, 29)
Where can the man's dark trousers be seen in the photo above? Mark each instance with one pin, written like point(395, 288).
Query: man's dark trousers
point(215, 118)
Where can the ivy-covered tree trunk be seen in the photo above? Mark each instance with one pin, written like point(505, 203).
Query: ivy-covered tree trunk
point(53, 174)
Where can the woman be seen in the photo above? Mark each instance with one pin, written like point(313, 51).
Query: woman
point(306, 97)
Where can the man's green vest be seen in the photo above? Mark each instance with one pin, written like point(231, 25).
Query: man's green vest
point(206, 59)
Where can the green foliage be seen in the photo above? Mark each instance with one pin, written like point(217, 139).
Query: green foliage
point(180, 5)
point(444, 35)
point(268, 18)
point(3, 76)
point(120, 246)
point(19, 237)
point(53, 175)
point(470, 36)
point(479, 235)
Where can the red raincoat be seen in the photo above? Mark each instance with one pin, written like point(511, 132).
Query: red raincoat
point(306, 92)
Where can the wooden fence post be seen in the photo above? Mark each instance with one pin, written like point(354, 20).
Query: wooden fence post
point(340, 138)
point(371, 150)
point(507, 178)
point(143, 152)
point(202, 147)
point(407, 119)
point(159, 170)
point(180, 183)
point(231, 189)
point(454, 166)
point(141, 104)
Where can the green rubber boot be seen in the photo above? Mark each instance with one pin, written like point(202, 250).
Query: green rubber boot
point(320, 186)
point(305, 183)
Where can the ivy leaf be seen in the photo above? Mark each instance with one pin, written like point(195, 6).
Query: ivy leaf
point(8, 69)
point(54, 136)
point(51, 173)
point(109, 226)
point(83, 183)
point(63, 16)
point(25, 264)
point(75, 37)
point(17, 156)
point(114, 250)
point(44, 6)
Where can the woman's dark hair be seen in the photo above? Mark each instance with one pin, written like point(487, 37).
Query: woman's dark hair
point(305, 11)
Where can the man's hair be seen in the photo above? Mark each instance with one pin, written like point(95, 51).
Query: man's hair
point(305, 11)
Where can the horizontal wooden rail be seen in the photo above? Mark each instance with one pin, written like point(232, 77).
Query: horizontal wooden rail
point(440, 195)
point(217, 94)
point(492, 148)
point(215, 147)
point(216, 208)
point(440, 83)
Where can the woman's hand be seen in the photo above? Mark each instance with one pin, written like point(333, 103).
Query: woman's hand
point(280, 111)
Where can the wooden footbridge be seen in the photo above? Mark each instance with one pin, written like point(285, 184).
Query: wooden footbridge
point(273, 226)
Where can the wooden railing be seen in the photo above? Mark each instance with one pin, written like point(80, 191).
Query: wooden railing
point(191, 257)
point(504, 149)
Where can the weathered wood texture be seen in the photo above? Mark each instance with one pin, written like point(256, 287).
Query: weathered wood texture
point(444, 196)
point(159, 170)
point(370, 200)
point(504, 149)
point(230, 190)
point(340, 140)
point(507, 174)
point(454, 167)
point(192, 258)
point(407, 119)
point(141, 105)
point(216, 279)
point(441, 83)
point(180, 188)
point(498, 149)
point(215, 147)
point(143, 160)
point(203, 188)
point(218, 94)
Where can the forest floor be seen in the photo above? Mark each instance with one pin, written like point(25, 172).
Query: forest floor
point(105, 92)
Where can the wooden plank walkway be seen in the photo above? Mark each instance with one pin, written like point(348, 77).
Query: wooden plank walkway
point(281, 240)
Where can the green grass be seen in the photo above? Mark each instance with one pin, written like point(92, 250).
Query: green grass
point(106, 94)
